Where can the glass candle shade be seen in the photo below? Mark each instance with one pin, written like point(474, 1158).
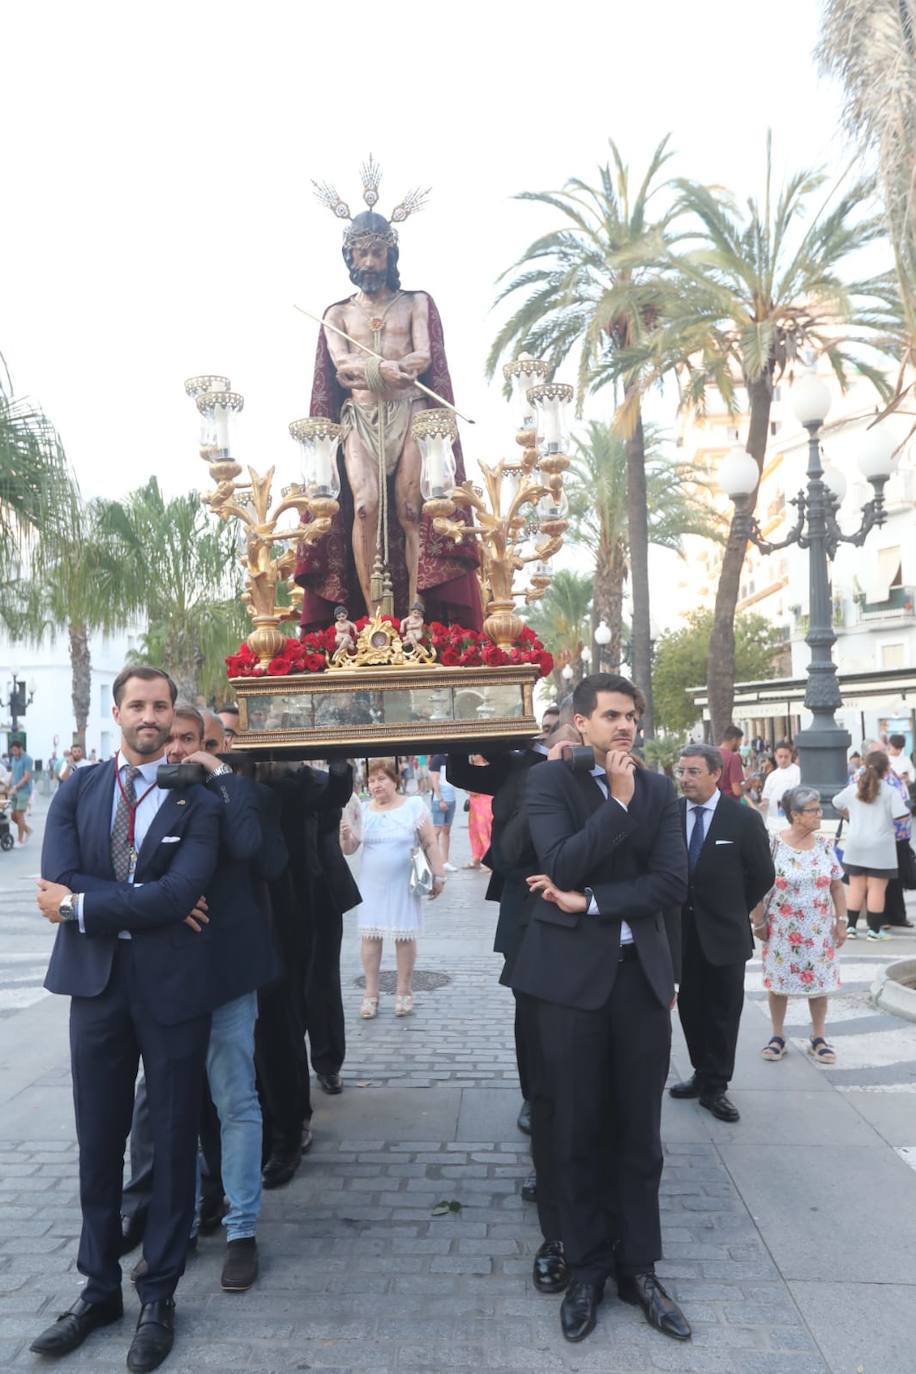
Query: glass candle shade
point(551, 401)
point(197, 386)
point(522, 374)
point(319, 440)
point(435, 431)
point(218, 407)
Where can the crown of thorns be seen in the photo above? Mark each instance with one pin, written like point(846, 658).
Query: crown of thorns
point(371, 176)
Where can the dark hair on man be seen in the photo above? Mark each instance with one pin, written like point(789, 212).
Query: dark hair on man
point(189, 712)
point(898, 741)
point(368, 222)
point(585, 695)
point(146, 673)
point(710, 756)
point(732, 732)
point(230, 709)
point(784, 744)
point(876, 765)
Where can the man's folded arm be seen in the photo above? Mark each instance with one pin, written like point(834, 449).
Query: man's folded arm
point(166, 901)
point(569, 854)
point(485, 778)
point(665, 883)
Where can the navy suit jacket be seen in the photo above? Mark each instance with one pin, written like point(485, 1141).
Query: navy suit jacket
point(172, 964)
point(635, 860)
point(251, 851)
point(734, 871)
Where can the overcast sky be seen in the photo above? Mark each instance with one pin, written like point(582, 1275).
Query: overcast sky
point(158, 219)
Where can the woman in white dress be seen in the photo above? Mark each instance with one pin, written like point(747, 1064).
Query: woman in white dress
point(392, 827)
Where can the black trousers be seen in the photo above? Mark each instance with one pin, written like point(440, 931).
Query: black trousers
point(109, 1035)
point(709, 1003)
point(323, 1011)
point(598, 1092)
point(279, 1057)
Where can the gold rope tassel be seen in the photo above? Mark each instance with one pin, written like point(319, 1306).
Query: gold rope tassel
point(380, 589)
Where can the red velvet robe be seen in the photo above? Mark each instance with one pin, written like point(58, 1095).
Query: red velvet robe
point(447, 578)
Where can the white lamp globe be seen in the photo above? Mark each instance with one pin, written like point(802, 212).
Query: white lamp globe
point(603, 634)
point(738, 473)
point(835, 482)
point(810, 399)
point(876, 454)
point(567, 674)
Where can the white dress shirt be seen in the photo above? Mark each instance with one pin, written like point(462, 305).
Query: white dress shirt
point(626, 934)
point(147, 807)
point(708, 806)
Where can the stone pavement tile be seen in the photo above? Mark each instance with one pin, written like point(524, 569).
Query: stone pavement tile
point(491, 1112)
point(795, 1117)
point(861, 1325)
point(893, 1115)
point(799, 1196)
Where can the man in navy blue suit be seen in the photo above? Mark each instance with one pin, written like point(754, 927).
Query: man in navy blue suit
point(125, 864)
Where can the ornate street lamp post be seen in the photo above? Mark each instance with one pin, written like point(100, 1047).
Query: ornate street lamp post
point(823, 747)
point(602, 639)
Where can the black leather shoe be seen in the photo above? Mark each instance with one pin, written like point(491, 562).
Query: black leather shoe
point(550, 1273)
point(307, 1138)
point(154, 1336)
point(73, 1326)
point(720, 1107)
point(280, 1167)
point(241, 1265)
point(530, 1188)
point(523, 1121)
point(132, 1229)
point(330, 1082)
point(645, 1291)
point(689, 1088)
point(579, 1309)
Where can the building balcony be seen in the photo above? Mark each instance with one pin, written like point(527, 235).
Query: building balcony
point(898, 606)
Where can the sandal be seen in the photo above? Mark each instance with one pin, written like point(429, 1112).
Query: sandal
point(774, 1049)
point(369, 1008)
point(403, 1005)
point(821, 1051)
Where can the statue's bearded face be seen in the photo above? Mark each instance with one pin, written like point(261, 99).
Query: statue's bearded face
point(370, 265)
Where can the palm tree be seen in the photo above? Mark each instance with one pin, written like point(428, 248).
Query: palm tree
point(33, 486)
point(870, 46)
point(759, 286)
point(183, 571)
point(597, 489)
point(562, 621)
point(596, 283)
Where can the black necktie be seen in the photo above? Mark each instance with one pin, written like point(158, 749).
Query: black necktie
point(697, 836)
point(120, 833)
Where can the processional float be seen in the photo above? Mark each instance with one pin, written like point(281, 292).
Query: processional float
point(394, 679)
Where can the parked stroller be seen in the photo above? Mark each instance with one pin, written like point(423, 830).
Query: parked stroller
point(6, 835)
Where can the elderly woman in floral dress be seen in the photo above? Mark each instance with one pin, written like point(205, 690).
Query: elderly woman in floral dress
point(802, 922)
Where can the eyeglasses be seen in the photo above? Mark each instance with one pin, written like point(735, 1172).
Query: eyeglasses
point(690, 772)
point(812, 811)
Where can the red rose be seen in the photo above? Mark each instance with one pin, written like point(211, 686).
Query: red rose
point(278, 667)
point(315, 663)
point(795, 937)
point(806, 976)
point(782, 884)
point(449, 659)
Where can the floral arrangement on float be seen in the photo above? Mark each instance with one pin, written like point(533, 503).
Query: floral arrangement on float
point(453, 646)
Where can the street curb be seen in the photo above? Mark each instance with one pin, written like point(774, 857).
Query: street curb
point(891, 990)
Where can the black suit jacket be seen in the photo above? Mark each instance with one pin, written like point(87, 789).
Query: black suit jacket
point(733, 872)
point(318, 876)
point(503, 779)
point(636, 863)
point(174, 867)
point(251, 850)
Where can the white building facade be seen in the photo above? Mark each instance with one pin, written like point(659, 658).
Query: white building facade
point(49, 724)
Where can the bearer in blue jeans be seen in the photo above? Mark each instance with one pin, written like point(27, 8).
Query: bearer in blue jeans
point(242, 960)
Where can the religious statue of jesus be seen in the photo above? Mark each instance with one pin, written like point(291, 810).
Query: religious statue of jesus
point(381, 550)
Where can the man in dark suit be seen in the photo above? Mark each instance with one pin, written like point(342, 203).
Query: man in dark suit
point(242, 960)
point(730, 869)
point(124, 863)
point(309, 900)
point(596, 960)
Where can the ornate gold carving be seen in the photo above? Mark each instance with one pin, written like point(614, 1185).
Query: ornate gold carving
point(380, 646)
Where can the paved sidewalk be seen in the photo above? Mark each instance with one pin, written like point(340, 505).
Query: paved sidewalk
point(790, 1238)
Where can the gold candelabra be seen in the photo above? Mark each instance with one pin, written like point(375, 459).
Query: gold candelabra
point(266, 563)
point(521, 499)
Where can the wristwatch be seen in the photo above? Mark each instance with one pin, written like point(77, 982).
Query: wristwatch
point(220, 772)
point(67, 910)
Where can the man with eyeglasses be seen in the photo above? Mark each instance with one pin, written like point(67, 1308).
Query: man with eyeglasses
point(730, 868)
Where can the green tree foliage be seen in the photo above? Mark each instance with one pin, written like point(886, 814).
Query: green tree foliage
point(593, 285)
point(562, 621)
point(681, 658)
point(596, 484)
point(757, 284)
